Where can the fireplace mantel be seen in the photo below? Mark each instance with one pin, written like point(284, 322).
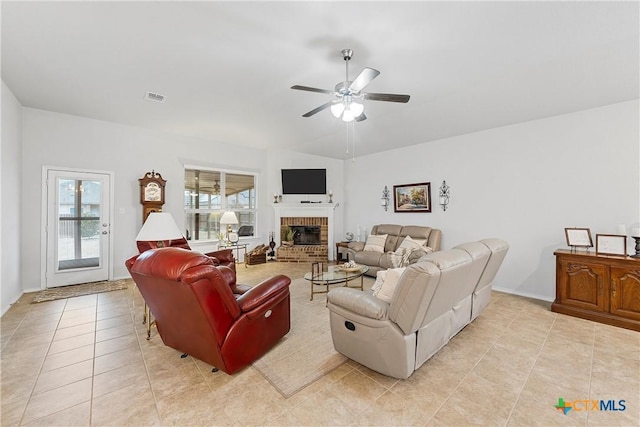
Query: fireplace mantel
point(302, 210)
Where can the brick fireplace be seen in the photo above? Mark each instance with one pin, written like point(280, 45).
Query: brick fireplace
point(306, 248)
point(313, 223)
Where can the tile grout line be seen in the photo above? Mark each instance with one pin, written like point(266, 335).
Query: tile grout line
point(144, 358)
point(444, 401)
point(531, 369)
point(37, 377)
point(593, 345)
point(93, 364)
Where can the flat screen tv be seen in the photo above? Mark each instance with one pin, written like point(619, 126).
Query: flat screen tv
point(304, 181)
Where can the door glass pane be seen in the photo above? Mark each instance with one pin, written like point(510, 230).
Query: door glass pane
point(78, 223)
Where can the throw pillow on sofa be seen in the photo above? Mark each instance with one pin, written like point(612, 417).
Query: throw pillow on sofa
point(400, 258)
point(389, 282)
point(380, 276)
point(375, 243)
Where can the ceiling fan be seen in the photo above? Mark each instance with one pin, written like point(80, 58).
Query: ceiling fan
point(348, 96)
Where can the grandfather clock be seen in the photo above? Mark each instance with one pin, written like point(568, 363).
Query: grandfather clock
point(151, 193)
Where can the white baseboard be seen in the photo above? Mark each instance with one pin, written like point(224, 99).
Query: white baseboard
point(523, 294)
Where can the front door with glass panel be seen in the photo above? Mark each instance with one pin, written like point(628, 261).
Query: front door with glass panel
point(77, 227)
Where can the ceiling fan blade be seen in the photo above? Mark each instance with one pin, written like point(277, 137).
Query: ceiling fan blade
point(360, 118)
point(311, 89)
point(363, 79)
point(390, 97)
point(317, 110)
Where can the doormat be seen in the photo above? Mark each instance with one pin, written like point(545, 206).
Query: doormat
point(80, 290)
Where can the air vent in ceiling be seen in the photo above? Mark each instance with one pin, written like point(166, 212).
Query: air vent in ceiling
point(151, 96)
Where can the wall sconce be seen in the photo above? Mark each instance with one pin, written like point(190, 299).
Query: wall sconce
point(385, 198)
point(444, 195)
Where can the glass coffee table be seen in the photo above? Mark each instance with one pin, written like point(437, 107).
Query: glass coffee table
point(336, 274)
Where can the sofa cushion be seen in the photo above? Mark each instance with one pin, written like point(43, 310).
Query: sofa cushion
point(389, 284)
point(367, 258)
point(416, 232)
point(392, 231)
point(375, 243)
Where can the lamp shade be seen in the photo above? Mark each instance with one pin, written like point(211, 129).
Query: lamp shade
point(159, 226)
point(337, 109)
point(356, 108)
point(229, 218)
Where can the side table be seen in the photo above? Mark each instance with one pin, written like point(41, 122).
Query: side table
point(237, 247)
point(339, 245)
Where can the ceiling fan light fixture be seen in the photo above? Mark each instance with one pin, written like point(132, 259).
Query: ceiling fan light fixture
point(348, 115)
point(343, 105)
point(356, 108)
point(337, 109)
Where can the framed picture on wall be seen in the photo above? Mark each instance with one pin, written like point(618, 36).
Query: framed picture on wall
point(611, 244)
point(578, 237)
point(412, 197)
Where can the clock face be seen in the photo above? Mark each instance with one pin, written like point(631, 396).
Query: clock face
point(152, 193)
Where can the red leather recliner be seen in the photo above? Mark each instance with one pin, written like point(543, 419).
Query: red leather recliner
point(197, 313)
point(222, 257)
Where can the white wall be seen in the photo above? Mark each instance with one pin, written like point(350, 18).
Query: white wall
point(10, 194)
point(66, 141)
point(523, 183)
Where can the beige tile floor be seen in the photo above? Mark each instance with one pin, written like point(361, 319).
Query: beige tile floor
point(85, 361)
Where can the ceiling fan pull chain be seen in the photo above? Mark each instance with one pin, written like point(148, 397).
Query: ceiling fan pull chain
point(347, 139)
point(353, 142)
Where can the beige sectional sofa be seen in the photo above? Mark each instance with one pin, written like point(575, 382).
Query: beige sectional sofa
point(431, 302)
point(384, 259)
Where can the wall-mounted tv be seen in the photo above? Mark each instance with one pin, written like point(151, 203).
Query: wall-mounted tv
point(304, 181)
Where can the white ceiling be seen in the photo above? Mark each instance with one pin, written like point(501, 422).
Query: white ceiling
point(226, 68)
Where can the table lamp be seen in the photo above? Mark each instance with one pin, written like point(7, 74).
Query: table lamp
point(228, 218)
point(160, 228)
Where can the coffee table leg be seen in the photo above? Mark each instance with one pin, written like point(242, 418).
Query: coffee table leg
point(326, 302)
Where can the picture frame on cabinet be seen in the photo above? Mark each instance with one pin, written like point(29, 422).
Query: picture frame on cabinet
point(611, 244)
point(578, 237)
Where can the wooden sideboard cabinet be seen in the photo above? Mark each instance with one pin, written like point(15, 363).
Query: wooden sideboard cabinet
point(601, 288)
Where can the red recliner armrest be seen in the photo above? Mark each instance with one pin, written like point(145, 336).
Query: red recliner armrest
point(263, 291)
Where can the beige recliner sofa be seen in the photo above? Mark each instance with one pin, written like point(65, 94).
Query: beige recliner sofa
point(434, 299)
point(377, 261)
